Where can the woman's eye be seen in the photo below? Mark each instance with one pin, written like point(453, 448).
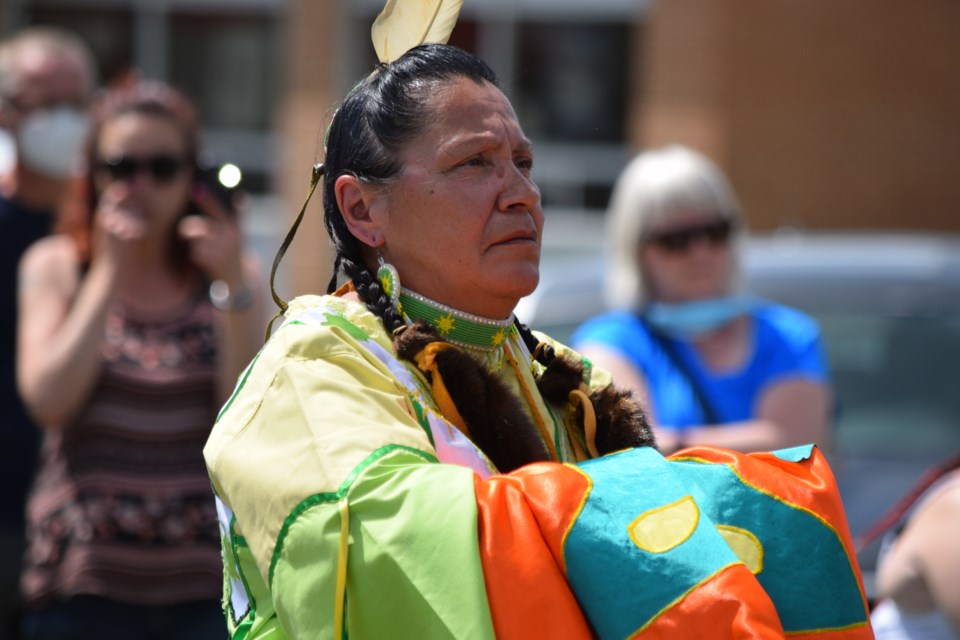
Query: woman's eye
point(526, 164)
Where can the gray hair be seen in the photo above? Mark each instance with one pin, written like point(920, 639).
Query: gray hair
point(653, 188)
point(52, 40)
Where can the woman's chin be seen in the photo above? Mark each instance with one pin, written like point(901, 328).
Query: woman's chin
point(498, 299)
point(519, 285)
point(522, 280)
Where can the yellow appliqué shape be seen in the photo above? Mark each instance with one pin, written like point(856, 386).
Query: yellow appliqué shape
point(664, 528)
point(745, 544)
point(499, 337)
point(445, 324)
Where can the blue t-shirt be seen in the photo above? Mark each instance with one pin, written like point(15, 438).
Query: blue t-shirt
point(786, 344)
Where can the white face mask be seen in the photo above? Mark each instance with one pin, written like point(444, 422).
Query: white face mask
point(51, 140)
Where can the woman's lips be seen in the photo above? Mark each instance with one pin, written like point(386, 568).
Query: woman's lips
point(518, 237)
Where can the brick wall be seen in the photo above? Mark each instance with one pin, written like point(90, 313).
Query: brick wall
point(824, 114)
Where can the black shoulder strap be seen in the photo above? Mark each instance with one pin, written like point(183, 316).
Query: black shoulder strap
point(892, 517)
point(709, 415)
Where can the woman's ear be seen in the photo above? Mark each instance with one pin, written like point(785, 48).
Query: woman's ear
point(357, 201)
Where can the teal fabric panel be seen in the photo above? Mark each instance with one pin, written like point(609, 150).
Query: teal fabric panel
point(620, 586)
point(800, 550)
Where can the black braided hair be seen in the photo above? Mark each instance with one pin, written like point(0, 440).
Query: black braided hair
point(332, 285)
point(375, 122)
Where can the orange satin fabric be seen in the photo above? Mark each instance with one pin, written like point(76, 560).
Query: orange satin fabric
point(522, 520)
point(730, 605)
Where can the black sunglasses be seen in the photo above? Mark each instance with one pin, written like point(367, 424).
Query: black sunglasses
point(161, 167)
point(716, 233)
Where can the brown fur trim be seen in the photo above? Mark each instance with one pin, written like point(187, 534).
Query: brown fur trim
point(621, 420)
point(562, 376)
point(494, 416)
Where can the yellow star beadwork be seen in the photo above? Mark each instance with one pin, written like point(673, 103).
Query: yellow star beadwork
point(445, 324)
point(457, 327)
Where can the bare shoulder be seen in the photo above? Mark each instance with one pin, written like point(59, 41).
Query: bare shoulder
point(53, 260)
point(946, 501)
point(54, 251)
point(938, 518)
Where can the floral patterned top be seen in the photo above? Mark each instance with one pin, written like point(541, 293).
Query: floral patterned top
point(121, 506)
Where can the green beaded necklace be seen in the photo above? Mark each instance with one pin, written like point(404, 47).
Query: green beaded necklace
point(460, 328)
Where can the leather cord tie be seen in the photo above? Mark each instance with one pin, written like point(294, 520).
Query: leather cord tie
point(582, 398)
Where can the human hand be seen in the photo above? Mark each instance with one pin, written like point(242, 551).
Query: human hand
point(214, 239)
point(118, 223)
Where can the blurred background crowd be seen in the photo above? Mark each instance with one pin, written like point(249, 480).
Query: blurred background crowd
point(836, 123)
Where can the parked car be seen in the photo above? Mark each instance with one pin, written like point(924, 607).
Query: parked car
point(889, 309)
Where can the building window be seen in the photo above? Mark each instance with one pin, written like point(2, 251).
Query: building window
point(227, 64)
point(572, 80)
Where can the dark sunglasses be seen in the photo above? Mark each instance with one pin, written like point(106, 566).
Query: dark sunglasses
point(716, 233)
point(161, 167)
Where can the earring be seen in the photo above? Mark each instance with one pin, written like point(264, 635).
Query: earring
point(389, 279)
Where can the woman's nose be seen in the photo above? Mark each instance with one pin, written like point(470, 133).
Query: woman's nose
point(519, 192)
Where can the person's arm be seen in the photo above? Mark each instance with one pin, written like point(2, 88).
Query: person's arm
point(940, 554)
point(62, 315)
point(216, 247)
point(790, 411)
point(60, 330)
point(240, 331)
point(922, 569)
point(320, 437)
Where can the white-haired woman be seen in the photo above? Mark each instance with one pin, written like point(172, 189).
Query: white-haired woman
point(716, 365)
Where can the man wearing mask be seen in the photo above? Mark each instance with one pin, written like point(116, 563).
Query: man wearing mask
point(46, 81)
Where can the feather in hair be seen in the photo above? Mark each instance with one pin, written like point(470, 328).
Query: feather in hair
point(405, 24)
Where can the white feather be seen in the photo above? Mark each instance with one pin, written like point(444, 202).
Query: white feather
point(405, 24)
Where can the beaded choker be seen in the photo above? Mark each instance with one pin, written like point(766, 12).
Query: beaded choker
point(463, 329)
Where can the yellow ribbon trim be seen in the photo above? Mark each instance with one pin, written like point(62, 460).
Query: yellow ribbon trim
point(426, 361)
point(538, 419)
point(540, 347)
point(579, 454)
point(341, 590)
point(580, 397)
